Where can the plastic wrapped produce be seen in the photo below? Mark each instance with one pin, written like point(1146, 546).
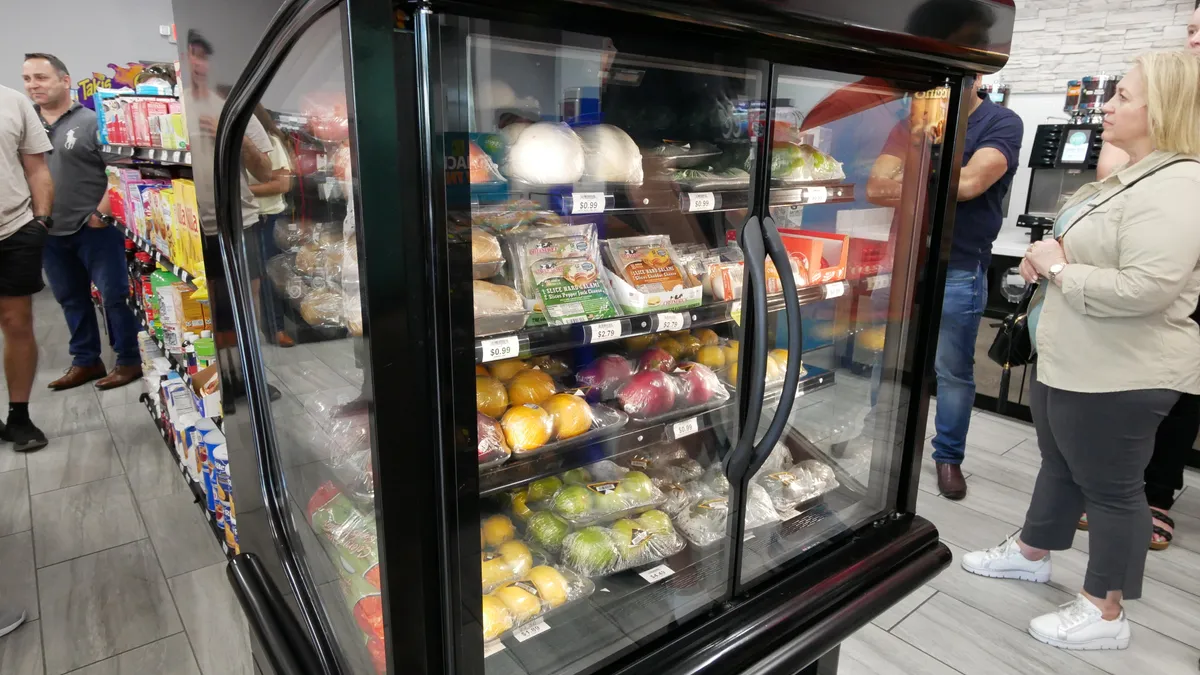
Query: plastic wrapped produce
point(547, 530)
point(604, 376)
point(703, 522)
point(322, 308)
point(610, 155)
point(649, 393)
point(792, 162)
point(540, 591)
point(629, 542)
point(797, 484)
point(546, 154)
point(491, 397)
point(606, 500)
point(505, 563)
point(658, 358)
point(571, 415)
point(347, 534)
point(493, 448)
point(698, 383)
point(530, 386)
point(526, 427)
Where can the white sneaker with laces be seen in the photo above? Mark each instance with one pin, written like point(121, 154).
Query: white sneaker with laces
point(1080, 625)
point(1006, 562)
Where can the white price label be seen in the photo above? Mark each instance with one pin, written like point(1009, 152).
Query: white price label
point(187, 158)
point(816, 195)
point(587, 202)
point(176, 156)
point(496, 349)
point(490, 648)
point(606, 330)
point(669, 321)
point(656, 573)
point(835, 290)
point(685, 428)
point(885, 280)
point(530, 630)
point(701, 201)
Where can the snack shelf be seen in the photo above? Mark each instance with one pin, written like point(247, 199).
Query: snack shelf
point(196, 489)
point(145, 246)
point(546, 339)
point(157, 155)
point(662, 196)
point(634, 436)
point(175, 364)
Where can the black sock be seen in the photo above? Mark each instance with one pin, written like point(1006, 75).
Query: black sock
point(18, 413)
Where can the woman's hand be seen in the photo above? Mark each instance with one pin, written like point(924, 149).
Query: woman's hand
point(1042, 255)
point(1029, 274)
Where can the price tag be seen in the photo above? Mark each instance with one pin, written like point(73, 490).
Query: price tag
point(187, 158)
point(701, 201)
point(605, 331)
point(735, 312)
point(587, 202)
point(816, 195)
point(492, 648)
point(176, 156)
point(656, 573)
point(885, 280)
point(685, 428)
point(530, 630)
point(506, 347)
point(834, 290)
point(669, 321)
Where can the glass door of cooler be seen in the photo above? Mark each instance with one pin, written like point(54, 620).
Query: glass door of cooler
point(593, 191)
point(850, 168)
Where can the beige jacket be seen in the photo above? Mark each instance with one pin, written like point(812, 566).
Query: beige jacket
point(1121, 320)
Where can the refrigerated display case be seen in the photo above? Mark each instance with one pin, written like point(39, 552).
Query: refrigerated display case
point(636, 379)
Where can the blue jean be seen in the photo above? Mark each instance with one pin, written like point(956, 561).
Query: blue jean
point(73, 263)
point(962, 308)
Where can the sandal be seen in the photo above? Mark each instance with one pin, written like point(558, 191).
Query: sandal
point(1166, 535)
point(1083, 524)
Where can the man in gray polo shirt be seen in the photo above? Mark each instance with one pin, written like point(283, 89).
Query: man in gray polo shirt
point(82, 248)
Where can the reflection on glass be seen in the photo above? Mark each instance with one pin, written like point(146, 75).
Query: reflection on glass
point(302, 256)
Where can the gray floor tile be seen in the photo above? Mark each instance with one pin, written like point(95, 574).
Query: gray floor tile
point(995, 500)
point(181, 536)
point(14, 507)
point(169, 656)
point(67, 413)
point(21, 651)
point(873, 651)
point(84, 519)
point(73, 460)
point(18, 574)
point(973, 642)
point(152, 470)
point(1191, 477)
point(1176, 567)
point(1149, 652)
point(10, 460)
point(306, 377)
point(896, 613)
point(1004, 470)
point(104, 604)
point(111, 398)
point(214, 621)
point(959, 525)
point(1188, 502)
point(988, 433)
point(1026, 451)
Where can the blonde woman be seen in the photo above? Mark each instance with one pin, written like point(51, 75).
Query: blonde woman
point(1116, 347)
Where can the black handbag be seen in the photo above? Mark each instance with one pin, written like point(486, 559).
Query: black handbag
point(1013, 346)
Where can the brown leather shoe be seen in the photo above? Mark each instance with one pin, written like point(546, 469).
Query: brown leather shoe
point(77, 375)
point(119, 377)
point(951, 483)
point(284, 340)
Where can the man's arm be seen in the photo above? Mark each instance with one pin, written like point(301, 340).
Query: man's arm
point(41, 185)
point(255, 146)
point(999, 150)
point(885, 184)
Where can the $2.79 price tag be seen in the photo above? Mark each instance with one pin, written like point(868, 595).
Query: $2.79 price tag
point(605, 331)
point(587, 202)
point(530, 630)
point(496, 349)
point(669, 321)
point(656, 573)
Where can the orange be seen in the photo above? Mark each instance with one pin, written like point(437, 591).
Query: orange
point(570, 413)
point(639, 343)
point(711, 356)
point(779, 356)
point(691, 344)
point(530, 386)
point(480, 370)
point(526, 427)
point(671, 346)
point(707, 336)
point(504, 370)
point(491, 398)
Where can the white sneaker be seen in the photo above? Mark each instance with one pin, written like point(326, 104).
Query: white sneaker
point(1079, 624)
point(1006, 562)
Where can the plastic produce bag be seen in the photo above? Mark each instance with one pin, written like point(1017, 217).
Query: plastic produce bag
point(798, 484)
point(606, 500)
point(493, 449)
point(543, 589)
point(350, 538)
point(602, 377)
point(802, 163)
point(629, 542)
point(703, 522)
point(610, 155)
point(545, 154)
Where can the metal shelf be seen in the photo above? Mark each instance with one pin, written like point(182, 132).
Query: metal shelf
point(145, 246)
point(155, 155)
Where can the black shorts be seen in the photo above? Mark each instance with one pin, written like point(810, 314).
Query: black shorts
point(21, 261)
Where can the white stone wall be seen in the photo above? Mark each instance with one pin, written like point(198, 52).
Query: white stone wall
point(1059, 40)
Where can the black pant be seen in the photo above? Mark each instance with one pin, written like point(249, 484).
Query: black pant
point(1172, 443)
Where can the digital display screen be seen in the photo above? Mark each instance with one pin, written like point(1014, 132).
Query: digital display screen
point(1076, 145)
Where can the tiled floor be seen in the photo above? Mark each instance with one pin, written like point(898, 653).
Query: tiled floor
point(101, 543)
point(962, 623)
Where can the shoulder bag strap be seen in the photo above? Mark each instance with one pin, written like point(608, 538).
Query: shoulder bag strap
point(1135, 181)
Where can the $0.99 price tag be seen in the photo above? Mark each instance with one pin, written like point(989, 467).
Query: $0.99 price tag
point(656, 573)
point(835, 290)
point(701, 201)
point(530, 630)
point(496, 349)
point(816, 195)
point(685, 428)
point(587, 202)
point(605, 331)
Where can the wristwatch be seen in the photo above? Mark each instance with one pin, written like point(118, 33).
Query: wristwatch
point(1056, 269)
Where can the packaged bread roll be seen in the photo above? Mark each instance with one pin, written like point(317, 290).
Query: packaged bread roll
point(485, 248)
point(496, 299)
